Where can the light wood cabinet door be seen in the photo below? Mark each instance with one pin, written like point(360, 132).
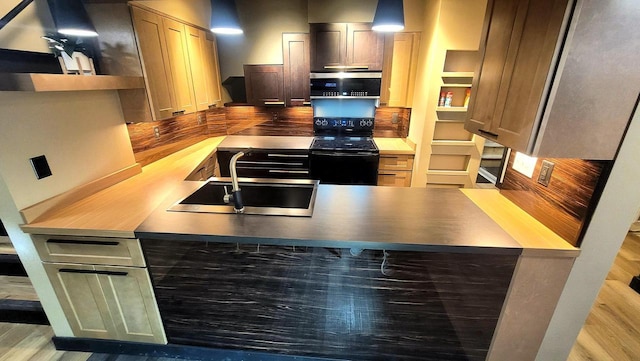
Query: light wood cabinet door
point(365, 47)
point(180, 69)
point(107, 302)
point(213, 82)
point(131, 303)
point(196, 41)
point(519, 45)
point(404, 64)
point(155, 59)
point(203, 62)
point(394, 178)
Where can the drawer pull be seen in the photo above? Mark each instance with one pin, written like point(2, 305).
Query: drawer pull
point(484, 132)
point(87, 271)
point(289, 171)
point(179, 112)
point(89, 243)
point(276, 155)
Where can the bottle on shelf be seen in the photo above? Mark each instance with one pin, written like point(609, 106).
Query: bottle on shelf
point(443, 96)
point(448, 99)
point(467, 95)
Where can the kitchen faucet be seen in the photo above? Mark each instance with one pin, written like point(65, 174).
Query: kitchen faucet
point(236, 195)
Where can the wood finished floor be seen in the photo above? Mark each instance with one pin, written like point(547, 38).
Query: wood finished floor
point(611, 332)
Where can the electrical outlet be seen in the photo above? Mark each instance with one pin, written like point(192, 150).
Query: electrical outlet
point(524, 164)
point(156, 132)
point(545, 173)
point(40, 166)
point(394, 118)
point(201, 118)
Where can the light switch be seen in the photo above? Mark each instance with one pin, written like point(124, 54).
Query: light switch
point(545, 172)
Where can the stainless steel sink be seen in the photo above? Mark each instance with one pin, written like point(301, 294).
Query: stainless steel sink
point(277, 197)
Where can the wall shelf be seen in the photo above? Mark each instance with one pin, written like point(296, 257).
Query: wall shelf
point(60, 82)
point(451, 109)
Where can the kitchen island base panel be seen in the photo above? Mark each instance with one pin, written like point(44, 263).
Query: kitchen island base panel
point(154, 351)
point(323, 302)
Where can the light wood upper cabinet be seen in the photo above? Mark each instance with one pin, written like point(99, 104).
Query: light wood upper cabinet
point(547, 74)
point(154, 56)
point(203, 61)
point(180, 62)
point(180, 67)
point(400, 69)
point(213, 82)
point(338, 46)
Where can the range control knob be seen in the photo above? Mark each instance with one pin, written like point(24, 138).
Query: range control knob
point(369, 123)
point(318, 121)
point(363, 123)
point(325, 122)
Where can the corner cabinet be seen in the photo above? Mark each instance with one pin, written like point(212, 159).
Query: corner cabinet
point(179, 62)
point(103, 287)
point(338, 46)
point(557, 77)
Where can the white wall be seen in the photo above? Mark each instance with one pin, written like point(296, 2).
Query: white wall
point(448, 25)
point(24, 32)
point(82, 134)
point(84, 137)
point(616, 211)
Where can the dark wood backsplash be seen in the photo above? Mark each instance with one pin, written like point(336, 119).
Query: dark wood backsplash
point(182, 131)
point(565, 205)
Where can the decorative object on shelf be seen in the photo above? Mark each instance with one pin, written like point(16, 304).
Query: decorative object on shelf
point(389, 16)
point(70, 51)
point(224, 17)
point(467, 95)
point(71, 18)
point(443, 97)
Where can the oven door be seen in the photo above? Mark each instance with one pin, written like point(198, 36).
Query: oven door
point(335, 167)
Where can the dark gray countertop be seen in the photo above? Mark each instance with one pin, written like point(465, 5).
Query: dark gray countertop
point(366, 217)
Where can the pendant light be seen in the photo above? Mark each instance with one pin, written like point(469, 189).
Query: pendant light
point(389, 16)
point(71, 18)
point(224, 17)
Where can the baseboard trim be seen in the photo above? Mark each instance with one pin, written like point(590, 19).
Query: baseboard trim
point(22, 311)
point(170, 350)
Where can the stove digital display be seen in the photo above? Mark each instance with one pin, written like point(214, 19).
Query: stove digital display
point(331, 85)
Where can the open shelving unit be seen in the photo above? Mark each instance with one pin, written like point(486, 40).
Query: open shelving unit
point(455, 153)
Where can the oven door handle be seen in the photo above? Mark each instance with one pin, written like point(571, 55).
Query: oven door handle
point(343, 154)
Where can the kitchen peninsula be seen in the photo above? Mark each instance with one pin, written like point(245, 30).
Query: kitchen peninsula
point(375, 272)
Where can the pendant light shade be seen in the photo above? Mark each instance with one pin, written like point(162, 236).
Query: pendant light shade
point(224, 17)
point(71, 18)
point(389, 16)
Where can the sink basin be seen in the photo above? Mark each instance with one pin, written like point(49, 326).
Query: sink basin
point(281, 197)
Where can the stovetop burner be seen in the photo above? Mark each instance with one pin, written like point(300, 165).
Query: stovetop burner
point(344, 144)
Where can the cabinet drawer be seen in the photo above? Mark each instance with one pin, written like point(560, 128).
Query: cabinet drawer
point(396, 162)
point(394, 178)
point(91, 250)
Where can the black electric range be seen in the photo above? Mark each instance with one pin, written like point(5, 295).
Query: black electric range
point(343, 151)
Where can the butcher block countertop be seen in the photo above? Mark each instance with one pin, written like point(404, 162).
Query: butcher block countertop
point(393, 146)
point(475, 220)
